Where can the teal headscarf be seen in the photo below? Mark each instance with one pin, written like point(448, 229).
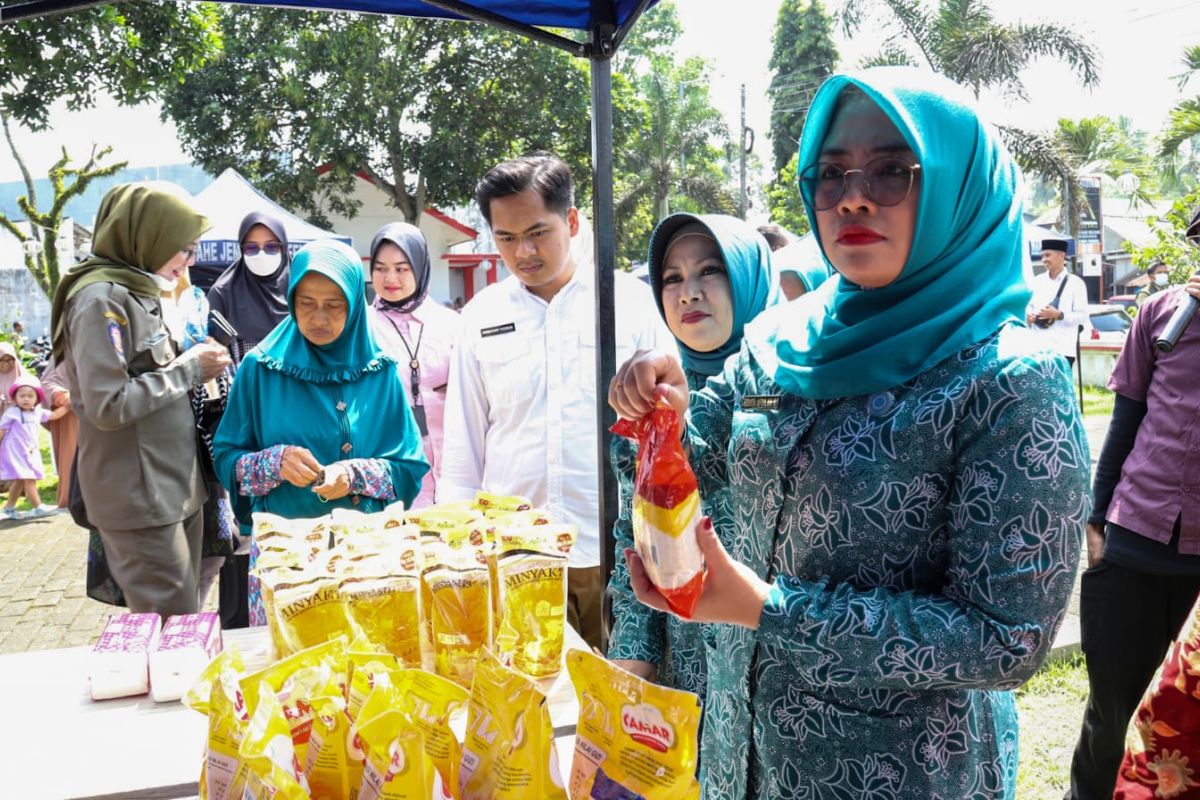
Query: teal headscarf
point(354, 352)
point(965, 276)
point(753, 282)
point(803, 257)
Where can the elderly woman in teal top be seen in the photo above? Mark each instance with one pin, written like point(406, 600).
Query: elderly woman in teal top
point(907, 471)
point(317, 418)
point(711, 275)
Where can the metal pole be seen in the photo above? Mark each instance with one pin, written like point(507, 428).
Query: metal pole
point(603, 218)
point(742, 157)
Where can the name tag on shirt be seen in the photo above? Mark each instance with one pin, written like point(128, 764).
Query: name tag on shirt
point(497, 330)
point(761, 402)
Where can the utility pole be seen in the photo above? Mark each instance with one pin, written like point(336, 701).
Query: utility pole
point(742, 157)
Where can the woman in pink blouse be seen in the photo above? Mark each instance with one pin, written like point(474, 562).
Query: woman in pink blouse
point(419, 333)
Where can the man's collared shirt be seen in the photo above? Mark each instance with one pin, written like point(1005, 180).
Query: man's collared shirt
point(1060, 336)
point(1160, 480)
point(521, 406)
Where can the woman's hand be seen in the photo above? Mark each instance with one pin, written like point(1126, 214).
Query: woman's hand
point(631, 393)
point(1095, 544)
point(60, 398)
point(298, 467)
point(732, 592)
point(336, 483)
point(1193, 286)
point(643, 669)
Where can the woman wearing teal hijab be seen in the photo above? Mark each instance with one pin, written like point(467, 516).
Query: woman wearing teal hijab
point(908, 473)
point(317, 418)
point(711, 275)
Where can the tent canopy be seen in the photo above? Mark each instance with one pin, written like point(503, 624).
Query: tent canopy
point(231, 197)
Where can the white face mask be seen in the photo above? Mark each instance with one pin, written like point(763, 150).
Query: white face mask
point(164, 284)
point(1161, 279)
point(263, 264)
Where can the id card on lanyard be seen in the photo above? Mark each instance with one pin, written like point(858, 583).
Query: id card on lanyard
point(414, 366)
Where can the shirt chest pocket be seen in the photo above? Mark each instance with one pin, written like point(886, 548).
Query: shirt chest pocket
point(507, 366)
point(586, 368)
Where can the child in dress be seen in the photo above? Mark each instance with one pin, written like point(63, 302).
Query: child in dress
point(20, 456)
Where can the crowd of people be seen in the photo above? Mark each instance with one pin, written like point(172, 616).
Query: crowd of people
point(892, 464)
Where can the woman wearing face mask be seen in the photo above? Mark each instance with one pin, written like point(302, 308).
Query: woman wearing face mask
point(711, 275)
point(252, 293)
point(137, 464)
point(1160, 278)
point(418, 333)
point(907, 490)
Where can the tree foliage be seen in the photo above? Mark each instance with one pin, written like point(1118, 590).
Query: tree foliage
point(67, 182)
point(783, 197)
point(1170, 245)
point(803, 55)
point(301, 103)
point(125, 50)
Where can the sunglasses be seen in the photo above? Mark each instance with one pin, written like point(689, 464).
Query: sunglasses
point(270, 248)
point(886, 182)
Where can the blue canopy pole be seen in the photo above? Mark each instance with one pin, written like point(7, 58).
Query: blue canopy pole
point(603, 217)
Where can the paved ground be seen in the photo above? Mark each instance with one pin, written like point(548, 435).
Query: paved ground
point(43, 605)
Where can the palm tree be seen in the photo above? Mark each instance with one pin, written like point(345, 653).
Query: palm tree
point(962, 40)
point(1184, 122)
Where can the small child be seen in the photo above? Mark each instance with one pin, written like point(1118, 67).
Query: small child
point(20, 456)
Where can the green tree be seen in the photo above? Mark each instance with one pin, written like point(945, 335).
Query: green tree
point(1104, 146)
point(1183, 124)
point(422, 108)
point(66, 182)
point(803, 55)
point(126, 51)
point(783, 197)
point(673, 159)
point(1170, 245)
point(962, 40)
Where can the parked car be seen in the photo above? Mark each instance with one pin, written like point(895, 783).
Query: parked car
point(1125, 301)
point(1110, 323)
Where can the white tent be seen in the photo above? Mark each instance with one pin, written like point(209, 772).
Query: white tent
point(231, 197)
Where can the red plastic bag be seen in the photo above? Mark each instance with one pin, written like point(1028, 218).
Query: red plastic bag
point(666, 508)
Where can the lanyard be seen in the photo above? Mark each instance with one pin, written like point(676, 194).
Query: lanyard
point(415, 370)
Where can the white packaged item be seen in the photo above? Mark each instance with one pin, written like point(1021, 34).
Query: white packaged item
point(188, 642)
point(120, 661)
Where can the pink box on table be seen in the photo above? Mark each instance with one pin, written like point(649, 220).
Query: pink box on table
point(119, 663)
point(188, 642)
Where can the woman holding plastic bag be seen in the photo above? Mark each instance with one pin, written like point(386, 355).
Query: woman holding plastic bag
point(908, 474)
point(711, 275)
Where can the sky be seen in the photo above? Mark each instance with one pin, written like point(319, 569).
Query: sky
point(1141, 43)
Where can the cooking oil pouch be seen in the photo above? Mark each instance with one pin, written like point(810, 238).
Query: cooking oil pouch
point(363, 671)
point(275, 772)
point(429, 702)
point(461, 611)
point(295, 682)
point(386, 610)
point(499, 502)
point(666, 508)
point(310, 614)
point(508, 752)
point(224, 773)
point(395, 764)
point(634, 738)
point(198, 697)
point(532, 566)
point(326, 765)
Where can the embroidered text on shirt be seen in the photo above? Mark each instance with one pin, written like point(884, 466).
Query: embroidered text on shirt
point(496, 330)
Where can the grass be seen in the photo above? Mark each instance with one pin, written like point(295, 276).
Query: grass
point(1097, 402)
point(1051, 711)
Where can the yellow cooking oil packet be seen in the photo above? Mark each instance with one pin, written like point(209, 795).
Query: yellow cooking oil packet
point(430, 701)
point(508, 751)
point(395, 765)
point(310, 614)
point(532, 567)
point(363, 670)
point(500, 502)
point(309, 536)
point(386, 609)
point(275, 772)
point(269, 582)
point(634, 738)
point(217, 695)
point(326, 765)
point(295, 682)
point(461, 609)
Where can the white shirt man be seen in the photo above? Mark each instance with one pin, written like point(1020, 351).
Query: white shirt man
point(521, 404)
point(1057, 316)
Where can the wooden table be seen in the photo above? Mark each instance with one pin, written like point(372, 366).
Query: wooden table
point(59, 743)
